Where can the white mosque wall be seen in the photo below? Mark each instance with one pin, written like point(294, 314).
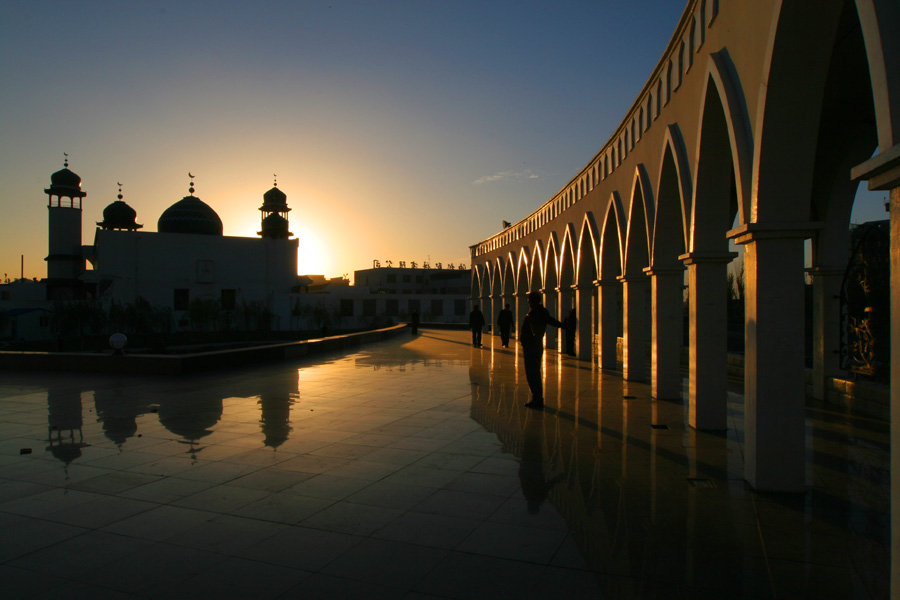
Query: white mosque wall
point(154, 265)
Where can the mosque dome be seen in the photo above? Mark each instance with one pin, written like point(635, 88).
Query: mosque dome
point(275, 200)
point(65, 178)
point(275, 226)
point(65, 183)
point(190, 215)
point(119, 215)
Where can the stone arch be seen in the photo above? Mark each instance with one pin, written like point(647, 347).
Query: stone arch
point(587, 270)
point(609, 293)
point(880, 24)
point(640, 220)
point(794, 76)
point(551, 283)
point(673, 202)
point(635, 285)
point(724, 146)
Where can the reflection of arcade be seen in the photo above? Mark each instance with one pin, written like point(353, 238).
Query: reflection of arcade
point(616, 489)
point(64, 420)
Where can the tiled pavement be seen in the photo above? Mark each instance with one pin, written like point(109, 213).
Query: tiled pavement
point(410, 469)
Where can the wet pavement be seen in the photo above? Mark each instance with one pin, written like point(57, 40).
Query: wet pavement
point(411, 469)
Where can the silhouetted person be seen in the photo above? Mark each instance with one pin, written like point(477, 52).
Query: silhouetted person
point(531, 336)
point(571, 325)
point(415, 322)
point(476, 323)
point(504, 322)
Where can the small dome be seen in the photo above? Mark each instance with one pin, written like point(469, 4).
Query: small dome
point(119, 215)
point(190, 215)
point(275, 226)
point(275, 200)
point(65, 178)
point(65, 183)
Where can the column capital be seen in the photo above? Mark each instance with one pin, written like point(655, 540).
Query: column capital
point(632, 278)
point(697, 258)
point(752, 232)
point(882, 170)
point(662, 271)
point(824, 271)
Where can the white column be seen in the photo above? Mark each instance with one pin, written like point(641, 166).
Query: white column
point(826, 322)
point(607, 315)
point(708, 338)
point(519, 310)
point(634, 339)
point(774, 390)
point(666, 316)
point(551, 302)
point(584, 296)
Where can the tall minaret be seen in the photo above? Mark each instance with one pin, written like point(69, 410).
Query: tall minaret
point(65, 262)
point(274, 211)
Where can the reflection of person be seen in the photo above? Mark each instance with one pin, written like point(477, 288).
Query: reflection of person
point(571, 325)
point(415, 322)
point(476, 322)
point(531, 336)
point(504, 322)
point(535, 485)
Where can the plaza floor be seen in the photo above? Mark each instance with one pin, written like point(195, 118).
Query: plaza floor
point(411, 469)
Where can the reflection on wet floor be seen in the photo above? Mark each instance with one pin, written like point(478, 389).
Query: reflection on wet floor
point(411, 469)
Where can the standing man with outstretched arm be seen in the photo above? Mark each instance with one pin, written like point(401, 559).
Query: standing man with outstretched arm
point(476, 323)
point(531, 336)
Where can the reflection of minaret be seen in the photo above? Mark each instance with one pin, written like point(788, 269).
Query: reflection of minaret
point(191, 417)
point(65, 262)
point(275, 410)
point(63, 421)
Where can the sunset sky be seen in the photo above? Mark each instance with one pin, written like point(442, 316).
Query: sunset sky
point(398, 130)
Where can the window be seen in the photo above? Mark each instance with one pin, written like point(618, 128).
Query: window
point(228, 299)
point(418, 279)
point(437, 308)
point(392, 307)
point(414, 305)
point(347, 307)
point(369, 307)
point(459, 307)
point(4, 295)
point(392, 278)
point(181, 299)
point(406, 279)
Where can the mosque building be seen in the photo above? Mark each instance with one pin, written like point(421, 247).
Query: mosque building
point(188, 259)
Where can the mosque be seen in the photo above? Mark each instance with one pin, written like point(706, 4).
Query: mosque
point(187, 258)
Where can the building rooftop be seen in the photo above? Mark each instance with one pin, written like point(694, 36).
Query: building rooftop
point(410, 469)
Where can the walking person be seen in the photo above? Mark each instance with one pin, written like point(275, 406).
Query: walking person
point(504, 322)
point(531, 336)
point(476, 323)
point(571, 325)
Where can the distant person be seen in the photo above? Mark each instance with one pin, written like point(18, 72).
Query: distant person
point(571, 325)
point(476, 323)
point(504, 322)
point(415, 322)
point(531, 336)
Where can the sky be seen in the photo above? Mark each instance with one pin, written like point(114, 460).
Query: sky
point(399, 130)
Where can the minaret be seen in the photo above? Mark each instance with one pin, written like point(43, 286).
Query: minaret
point(65, 262)
point(274, 211)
